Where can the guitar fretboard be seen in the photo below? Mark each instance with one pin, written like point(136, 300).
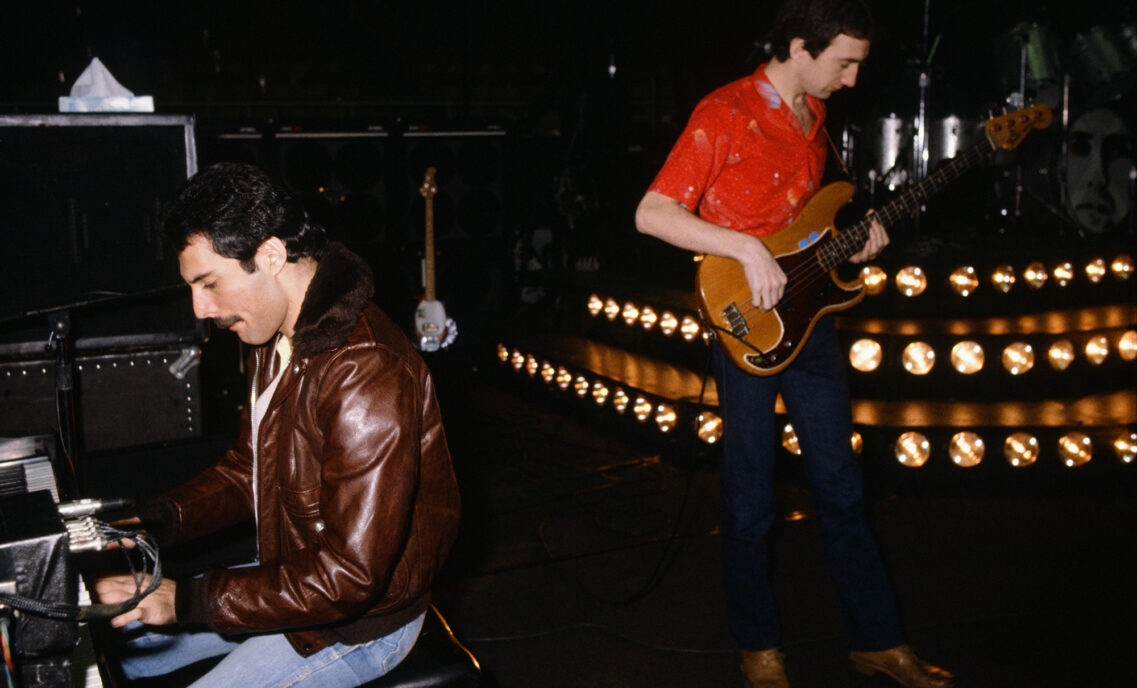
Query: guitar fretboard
point(852, 239)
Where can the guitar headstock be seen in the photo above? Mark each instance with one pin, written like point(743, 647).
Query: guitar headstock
point(1008, 131)
point(429, 188)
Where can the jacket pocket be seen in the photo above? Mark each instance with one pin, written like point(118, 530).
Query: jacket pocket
point(302, 510)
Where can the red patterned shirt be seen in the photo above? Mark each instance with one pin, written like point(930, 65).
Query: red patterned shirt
point(743, 161)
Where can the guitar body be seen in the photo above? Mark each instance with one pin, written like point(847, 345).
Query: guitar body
point(431, 326)
point(761, 342)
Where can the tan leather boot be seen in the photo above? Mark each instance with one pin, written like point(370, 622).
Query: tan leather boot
point(764, 669)
point(903, 666)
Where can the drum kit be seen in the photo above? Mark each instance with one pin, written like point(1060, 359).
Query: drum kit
point(1092, 68)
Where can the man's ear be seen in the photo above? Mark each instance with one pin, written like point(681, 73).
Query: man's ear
point(797, 49)
point(272, 256)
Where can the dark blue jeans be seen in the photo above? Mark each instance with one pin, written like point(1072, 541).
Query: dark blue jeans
point(816, 396)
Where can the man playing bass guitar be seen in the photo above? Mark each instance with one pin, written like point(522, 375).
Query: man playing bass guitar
point(752, 154)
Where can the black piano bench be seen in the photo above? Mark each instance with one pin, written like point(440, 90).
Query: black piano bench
point(438, 660)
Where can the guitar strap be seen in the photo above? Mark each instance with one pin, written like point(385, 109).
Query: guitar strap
point(836, 152)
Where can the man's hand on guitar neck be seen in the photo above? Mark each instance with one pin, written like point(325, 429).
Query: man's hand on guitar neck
point(878, 239)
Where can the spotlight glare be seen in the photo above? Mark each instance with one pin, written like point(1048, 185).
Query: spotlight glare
point(966, 449)
point(668, 323)
point(911, 281)
point(1096, 269)
point(963, 281)
point(1061, 354)
point(642, 408)
point(1126, 447)
point(1064, 273)
point(1076, 449)
point(517, 360)
point(857, 443)
point(919, 358)
point(689, 328)
point(611, 309)
point(709, 427)
point(631, 314)
point(1020, 449)
point(1097, 349)
point(967, 357)
point(789, 440)
point(865, 355)
point(1035, 275)
point(564, 378)
point(620, 400)
point(874, 279)
point(580, 386)
point(548, 372)
point(595, 305)
point(503, 353)
point(532, 365)
point(1121, 267)
point(1018, 358)
point(599, 392)
point(1127, 346)
point(665, 417)
point(648, 317)
point(912, 449)
point(1003, 278)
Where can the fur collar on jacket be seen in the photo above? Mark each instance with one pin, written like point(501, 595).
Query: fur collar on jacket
point(341, 287)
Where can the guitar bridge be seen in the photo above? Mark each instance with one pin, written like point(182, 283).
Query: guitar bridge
point(735, 320)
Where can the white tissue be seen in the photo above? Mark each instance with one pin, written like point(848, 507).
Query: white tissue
point(96, 90)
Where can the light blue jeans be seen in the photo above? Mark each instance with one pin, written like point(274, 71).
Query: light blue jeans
point(264, 661)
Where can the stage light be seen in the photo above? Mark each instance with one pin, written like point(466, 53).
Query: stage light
point(620, 400)
point(580, 386)
point(1018, 358)
point(595, 305)
point(564, 379)
point(1127, 346)
point(648, 317)
point(1061, 354)
point(1097, 349)
point(631, 314)
point(690, 328)
point(599, 392)
point(1095, 270)
point(502, 353)
point(1075, 449)
point(967, 357)
point(532, 365)
point(642, 408)
point(517, 360)
point(548, 372)
point(665, 417)
point(1063, 273)
point(709, 427)
point(963, 280)
point(912, 449)
point(911, 281)
point(1122, 267)
point(919, 358)
point(865, 355)
point(668, 323)
point(966, 449)
point(1020, 449)
point(874, 279)
point(857, 443)
point(1126, 447)
point(1035, 275)
point(789, 440)
point(611, 309)
point(1003, 278)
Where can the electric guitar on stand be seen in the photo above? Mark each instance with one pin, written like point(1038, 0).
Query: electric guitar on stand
point(433, 330)
point(810, 249)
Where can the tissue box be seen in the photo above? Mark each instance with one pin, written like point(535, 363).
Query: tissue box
point(108, 104)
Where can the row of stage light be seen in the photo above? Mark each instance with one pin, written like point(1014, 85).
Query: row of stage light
point(965, 280)
point(912, 448)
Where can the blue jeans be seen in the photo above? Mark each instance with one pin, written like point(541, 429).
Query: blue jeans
point(264, 661)
point(816, 395)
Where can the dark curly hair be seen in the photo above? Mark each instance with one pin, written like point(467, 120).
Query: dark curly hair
point(818, 22)
point(237, 207)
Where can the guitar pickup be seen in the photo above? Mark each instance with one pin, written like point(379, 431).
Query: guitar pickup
point(735, 320)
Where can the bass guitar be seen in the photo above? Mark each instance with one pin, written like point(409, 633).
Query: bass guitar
point(810, 249)
point(433, 330)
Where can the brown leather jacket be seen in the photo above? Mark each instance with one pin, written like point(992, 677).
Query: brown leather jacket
point(357, 503)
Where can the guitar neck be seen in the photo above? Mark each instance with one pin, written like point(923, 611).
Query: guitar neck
point(428, 254)
point(853, 239)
